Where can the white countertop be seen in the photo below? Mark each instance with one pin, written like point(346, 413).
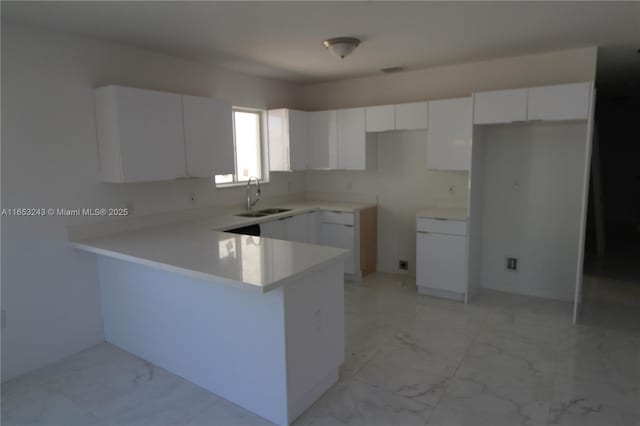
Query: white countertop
point(199, 249)
point(452, 213)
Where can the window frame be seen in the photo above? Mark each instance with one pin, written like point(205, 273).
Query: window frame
point(264, 149)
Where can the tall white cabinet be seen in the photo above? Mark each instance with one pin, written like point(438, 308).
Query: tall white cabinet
point(289, 135)
point(355, 149)
point(146, 135)
point(208, 136)
point(450, 133)
point(323, 130)
point(140, 134)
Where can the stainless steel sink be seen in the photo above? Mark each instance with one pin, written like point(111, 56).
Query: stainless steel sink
point(263, 212)
point(252, 214)
point(267, 212)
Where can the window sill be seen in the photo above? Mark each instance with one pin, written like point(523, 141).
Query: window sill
point(236, 184)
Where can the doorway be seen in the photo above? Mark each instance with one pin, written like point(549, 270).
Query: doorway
point(611, 273)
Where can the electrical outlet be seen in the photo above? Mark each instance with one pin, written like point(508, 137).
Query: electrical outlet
point(452, 189)
point(512, 264)
point(403, 264)
point(193, 198)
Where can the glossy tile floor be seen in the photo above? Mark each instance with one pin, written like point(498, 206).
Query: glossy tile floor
point(412, 360)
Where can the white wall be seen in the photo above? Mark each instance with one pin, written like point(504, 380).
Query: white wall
point(401, 181)
point(49, 159)
point(565, 66)
point(532, 203)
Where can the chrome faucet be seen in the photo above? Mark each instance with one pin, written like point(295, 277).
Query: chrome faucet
point(251, 203)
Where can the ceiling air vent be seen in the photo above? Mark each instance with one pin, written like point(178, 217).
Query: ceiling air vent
point(391, 70)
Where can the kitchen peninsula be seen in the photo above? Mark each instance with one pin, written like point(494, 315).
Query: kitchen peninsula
point(256, 320)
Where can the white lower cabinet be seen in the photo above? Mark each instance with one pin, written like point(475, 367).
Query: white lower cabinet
point(441, 258)
point(274, 229)
point(341, 236)
point(297, 228)
point(335, 229)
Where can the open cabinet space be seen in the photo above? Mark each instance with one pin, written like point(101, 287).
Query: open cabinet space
point(525, 198)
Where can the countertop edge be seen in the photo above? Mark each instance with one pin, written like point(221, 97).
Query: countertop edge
point(216, 279)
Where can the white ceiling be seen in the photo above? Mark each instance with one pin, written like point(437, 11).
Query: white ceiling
point(284, 39)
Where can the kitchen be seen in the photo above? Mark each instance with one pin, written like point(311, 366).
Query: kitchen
point(386, 157)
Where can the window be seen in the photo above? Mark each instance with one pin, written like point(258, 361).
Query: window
point(248, 147)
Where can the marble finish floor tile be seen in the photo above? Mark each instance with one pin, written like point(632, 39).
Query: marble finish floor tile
point(410, 360)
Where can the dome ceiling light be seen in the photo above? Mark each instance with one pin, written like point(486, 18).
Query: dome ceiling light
point(341, 46)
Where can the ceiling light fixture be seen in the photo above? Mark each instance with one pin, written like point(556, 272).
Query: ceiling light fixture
point(341, 46)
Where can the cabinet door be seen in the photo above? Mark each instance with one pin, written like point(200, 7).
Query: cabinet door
point(341, 236)
point(148, 125)
point(297, 228)
point(323, 128)
point(441, 262)
point(299, 140)
point(314, 227)
point(351, 139)
point(501, 106)
point(412, 116)
point(208, 128)
point(559, 102)
point(381, 118)
point(274, 229)
point(449, 134)
point(278, 131)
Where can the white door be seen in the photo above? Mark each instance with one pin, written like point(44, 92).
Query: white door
point(274, 229)
point(341, 236)
point(381, 118)
point(151, 134)
point(559, 102)
point(351, 139)
point(500, 106)
point(323, 128)
point(208, 130)
point(299, 139)
point(297, 228)
point(412, 116)
point(441, 261)
point(449, 134)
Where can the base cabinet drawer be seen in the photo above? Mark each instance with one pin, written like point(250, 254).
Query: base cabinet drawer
point(441, 261)
point(342, 218)
point(442, 226)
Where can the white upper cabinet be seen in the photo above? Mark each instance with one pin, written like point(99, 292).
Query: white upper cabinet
point(412, 116)
point(288, 140)
point(208, 136)
point(351, 139)
point(323, 131)
point(380, 118)
point(559, 102)
point(140, 134)
point(449, 135)
point(500, 106)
